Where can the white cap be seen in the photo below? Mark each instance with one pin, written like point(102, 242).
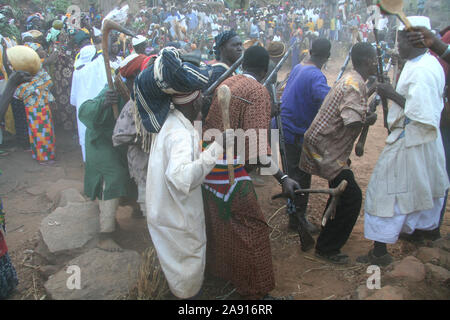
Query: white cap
point(417, 21)
point(138, 39)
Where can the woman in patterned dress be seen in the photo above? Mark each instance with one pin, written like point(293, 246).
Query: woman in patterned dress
point(61, 71)
point(36, 96)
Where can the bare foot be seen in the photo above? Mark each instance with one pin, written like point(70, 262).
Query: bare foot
point(109, 245)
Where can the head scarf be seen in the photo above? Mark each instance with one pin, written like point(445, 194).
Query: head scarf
point(80, 36)
point(53, 34)
point(155, 86)
point(221, 39)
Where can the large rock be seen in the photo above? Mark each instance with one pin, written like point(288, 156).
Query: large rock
point(70, 195)
point(443, 243)
point(429, 255)
point(387, 293)
point(71, 227)
point(55, 188)
point(410, 268)
point(435, 256)
point(103, 276)
point(438, 273)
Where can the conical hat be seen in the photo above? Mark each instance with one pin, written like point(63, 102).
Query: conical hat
point(23, 58)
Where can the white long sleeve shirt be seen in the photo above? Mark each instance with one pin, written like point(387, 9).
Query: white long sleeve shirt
point(175, 215)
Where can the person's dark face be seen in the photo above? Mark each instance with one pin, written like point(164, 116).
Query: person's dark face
point(232, 49)
point(404, 47)
point(372, 64)
point(115, 48)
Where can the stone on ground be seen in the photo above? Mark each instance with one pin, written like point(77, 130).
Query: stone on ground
point(103, 276)
point(70, 227)
point(429, 255)
point(443, 243)
point(410, 268)
point(39, 189)
point(54, 190)
point(438, 273)
point(387, 293)
point(362, 292)
point(70, 195)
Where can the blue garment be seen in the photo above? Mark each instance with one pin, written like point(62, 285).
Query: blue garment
point(193, 21)
point(304, 93)
point(295, 51)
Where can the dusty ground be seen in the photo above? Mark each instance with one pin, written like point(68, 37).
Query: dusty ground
point(297, 273)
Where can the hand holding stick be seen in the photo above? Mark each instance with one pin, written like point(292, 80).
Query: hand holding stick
point(335, 193)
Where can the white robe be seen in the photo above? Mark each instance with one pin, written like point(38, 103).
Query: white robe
point(175, 216)
point(410, 176)
point(87, 83)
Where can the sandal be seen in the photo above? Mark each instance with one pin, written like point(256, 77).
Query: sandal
point(370, 258)
point(336, 258)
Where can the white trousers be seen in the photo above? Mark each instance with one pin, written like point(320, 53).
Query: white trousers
point(108, 210)
point(388, 229)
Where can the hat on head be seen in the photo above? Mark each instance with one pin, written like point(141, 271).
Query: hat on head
point(417, 21)
point(23, 58)
point(35, 33)
point(138, 40)
point(276, 49)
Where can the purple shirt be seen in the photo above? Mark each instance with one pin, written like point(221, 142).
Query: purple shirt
point(304, 93)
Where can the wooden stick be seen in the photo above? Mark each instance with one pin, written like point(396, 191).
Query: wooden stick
point(224, 97)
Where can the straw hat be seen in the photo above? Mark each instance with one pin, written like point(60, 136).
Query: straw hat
point(23, 58)
point(35, 33)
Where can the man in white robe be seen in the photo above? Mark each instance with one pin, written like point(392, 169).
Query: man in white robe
point(407, 188)
point(176, 170)
point(89, 78)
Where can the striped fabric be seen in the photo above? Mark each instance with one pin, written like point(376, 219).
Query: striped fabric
point(167, 76)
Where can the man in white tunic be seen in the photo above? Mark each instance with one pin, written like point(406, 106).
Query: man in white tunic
point(407, 188)
point(176, 170)
point(89, 78)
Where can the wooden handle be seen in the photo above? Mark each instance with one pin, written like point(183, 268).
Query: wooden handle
point(401, 15)
point(224, 97)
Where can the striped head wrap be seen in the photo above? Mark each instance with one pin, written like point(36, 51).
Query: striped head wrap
point(154, 87)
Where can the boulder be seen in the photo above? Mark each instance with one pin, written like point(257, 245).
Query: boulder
point(70, 195)
point(429, 255)
point(410, 268)
point(71, 227)
point(443, 243)
point(387, 293)
point(435, 256)
point(102, 276)
point(438, 273)
point(55, 188)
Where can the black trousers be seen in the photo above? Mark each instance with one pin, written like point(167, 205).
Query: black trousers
point(293, 153)
point(20, 122)
point(337, 231)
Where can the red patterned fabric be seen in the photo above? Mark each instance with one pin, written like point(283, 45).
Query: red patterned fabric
point(238, 245)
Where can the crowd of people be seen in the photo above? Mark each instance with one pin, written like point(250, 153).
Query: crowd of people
point(140, 147)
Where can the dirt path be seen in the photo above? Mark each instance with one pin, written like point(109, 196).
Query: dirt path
point(297, 273)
